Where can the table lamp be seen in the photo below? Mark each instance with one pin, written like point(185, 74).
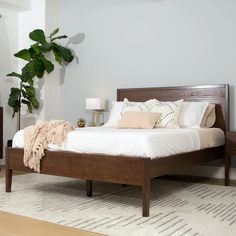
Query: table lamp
point(97, 105)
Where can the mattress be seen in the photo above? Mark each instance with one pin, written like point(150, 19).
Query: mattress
point(150, 143)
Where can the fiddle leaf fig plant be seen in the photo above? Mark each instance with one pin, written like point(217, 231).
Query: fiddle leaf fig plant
point(37, 63)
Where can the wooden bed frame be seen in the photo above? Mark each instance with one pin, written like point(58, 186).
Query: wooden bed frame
point(130, 170)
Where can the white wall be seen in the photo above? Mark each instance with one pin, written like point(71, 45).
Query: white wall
point(52, 82)
point(9, 45)
point(28, 21)
point(138, 43)
point(16, 5)
point(42, 15)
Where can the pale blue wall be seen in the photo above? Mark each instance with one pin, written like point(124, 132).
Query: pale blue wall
point(138, 43)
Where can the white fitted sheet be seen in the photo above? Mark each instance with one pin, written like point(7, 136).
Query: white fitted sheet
point(151, 143)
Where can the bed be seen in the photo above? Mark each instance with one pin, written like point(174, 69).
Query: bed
point(123, 169)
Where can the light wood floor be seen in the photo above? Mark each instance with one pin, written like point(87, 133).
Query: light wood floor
point(15, 225)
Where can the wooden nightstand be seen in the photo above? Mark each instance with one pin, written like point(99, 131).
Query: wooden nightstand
point(230, 149)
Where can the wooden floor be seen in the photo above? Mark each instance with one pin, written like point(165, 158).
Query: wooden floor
point(15, 225)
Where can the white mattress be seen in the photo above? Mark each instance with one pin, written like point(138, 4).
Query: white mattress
point(151, 143)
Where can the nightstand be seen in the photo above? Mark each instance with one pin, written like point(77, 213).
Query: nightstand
point(230, 149)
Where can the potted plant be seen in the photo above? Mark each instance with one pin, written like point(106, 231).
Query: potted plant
point(37, 63)
point(81, 122)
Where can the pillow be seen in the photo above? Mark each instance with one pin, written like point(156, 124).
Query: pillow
point(133, 106)
point(118, 108)
point(169, 112)
point(192, 114)
point(209, 116)
point(139, 120)
point(115, 114)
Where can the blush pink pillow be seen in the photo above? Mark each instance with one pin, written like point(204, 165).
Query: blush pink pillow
point(138, 120)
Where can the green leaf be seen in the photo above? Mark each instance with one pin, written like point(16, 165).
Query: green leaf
point(14, 74)
point(34, 102)
point(49, 67)
point(59, 37)
point(28, 67)
point(36, 48)
point(30, 91)
point(57, 56)
point(63, 52)
point(28, 72)
point(16, 108)
point(27, 76)
point(38, 36)
point(55, 31)
point(14, 100)
point(47, 47)
point(14, 95)
point(23, 54)
point(30, 82)
point(38, 68)
point(31, 102)
point(29, 107)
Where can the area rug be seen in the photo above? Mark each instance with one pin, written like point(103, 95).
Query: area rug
point(177, 208)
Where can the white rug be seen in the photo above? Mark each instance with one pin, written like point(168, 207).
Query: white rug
point(177, 208)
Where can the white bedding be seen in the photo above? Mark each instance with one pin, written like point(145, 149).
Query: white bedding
point(151, 143)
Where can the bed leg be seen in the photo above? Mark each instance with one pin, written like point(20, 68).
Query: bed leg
point(8, 180)
point(227, 165)
point(146, 198)
point(89, 186)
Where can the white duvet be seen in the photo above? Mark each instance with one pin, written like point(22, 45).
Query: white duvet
point(151, 143)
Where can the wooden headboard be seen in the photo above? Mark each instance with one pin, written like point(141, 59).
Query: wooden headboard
point(217, 94)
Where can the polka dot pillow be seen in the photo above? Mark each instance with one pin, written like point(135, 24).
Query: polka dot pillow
point(169, 112)
point(133, 106)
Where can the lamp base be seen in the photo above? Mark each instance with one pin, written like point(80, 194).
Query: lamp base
point(96, 119)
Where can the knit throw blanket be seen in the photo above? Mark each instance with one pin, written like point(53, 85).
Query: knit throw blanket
point(37, 138)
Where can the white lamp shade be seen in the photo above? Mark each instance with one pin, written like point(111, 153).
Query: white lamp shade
point(95, 104)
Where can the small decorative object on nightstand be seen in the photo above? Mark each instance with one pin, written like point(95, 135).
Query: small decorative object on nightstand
point(97, 105)
point(81, 122)
point(230, 149)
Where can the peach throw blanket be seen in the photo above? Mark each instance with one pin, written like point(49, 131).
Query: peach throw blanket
point(37, 138)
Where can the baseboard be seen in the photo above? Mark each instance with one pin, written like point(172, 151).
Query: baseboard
point(213, 172)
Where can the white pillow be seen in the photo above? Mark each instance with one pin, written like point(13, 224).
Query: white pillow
point(192, 113)
point(118, 108)
point(209, 117)
point(169, 112)
point(133, 106)
point(115, 114)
